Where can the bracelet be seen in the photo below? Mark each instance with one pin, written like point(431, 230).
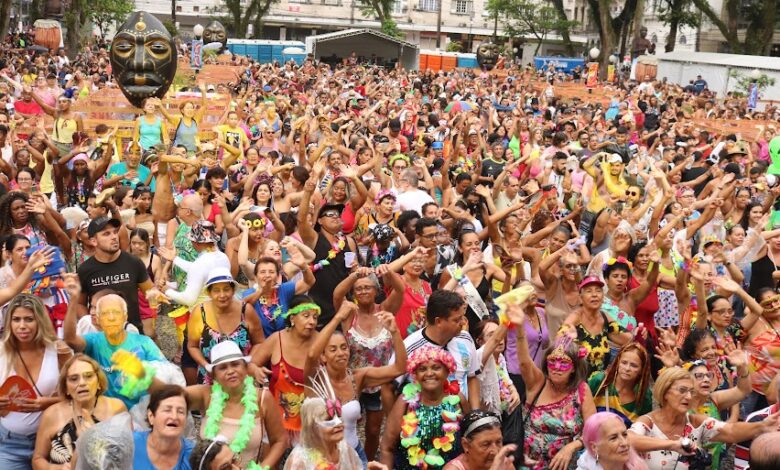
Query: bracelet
point(745, 376)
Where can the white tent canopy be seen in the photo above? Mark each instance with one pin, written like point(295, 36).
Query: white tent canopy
point(365, 43)
point(681, 67)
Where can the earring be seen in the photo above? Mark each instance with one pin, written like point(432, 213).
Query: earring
point(597, 456)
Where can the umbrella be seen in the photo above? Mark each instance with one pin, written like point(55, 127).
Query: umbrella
point(37, 48)
point(458, 106)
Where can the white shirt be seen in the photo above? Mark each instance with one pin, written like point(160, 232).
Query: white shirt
point(413, 200)
point(197, 275)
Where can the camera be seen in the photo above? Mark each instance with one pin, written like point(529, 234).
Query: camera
point(700, 460)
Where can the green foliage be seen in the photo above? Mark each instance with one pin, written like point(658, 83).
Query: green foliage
point(107, 13)
point(390, 28)
point(678, 11)
point(743, 82)
point(522, 18)
point(171, 27)
point(454, 46)
point(379, 9)
point(237, 15)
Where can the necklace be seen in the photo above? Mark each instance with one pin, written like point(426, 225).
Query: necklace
point(417, 429)
point(336, 248)
point(246, 424)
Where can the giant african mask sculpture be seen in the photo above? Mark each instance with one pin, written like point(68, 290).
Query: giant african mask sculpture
point(143, 58)
point(487, 55)
point(215, 32)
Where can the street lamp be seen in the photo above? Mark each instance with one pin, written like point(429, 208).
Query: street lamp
point(594, 53)
point(755, 74)
point(198, 30)
point(612, 59)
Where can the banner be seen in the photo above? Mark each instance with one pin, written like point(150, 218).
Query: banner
point(197, 54)
point(593, 75)
point(611, 73)
point(753, 96)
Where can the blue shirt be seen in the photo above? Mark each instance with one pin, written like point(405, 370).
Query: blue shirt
point(267, 312)
point(99, 349)
point(121, 168)
point(141, 458)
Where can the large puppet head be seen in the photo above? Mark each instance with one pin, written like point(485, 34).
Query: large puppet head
point(215, 32)
point(143, 58)
point(487, 55)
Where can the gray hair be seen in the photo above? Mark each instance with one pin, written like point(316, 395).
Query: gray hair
point(410, 176)
point(114, 297)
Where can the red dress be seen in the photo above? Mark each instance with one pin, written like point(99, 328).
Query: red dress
point(411, 315)
point(645, 311)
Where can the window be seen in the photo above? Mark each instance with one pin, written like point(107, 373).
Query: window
point(398, 7)
point(683, 40)
point(196, 9)
point(463, 7)
point(428, 5)
point(178, 8)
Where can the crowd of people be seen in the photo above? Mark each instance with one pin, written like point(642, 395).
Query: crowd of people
point(378, 268)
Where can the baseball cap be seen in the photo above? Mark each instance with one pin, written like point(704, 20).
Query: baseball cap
point(99, 224)
point(590, 280)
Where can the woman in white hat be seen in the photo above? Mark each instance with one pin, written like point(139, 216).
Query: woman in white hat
point(221, 318)
point(234, 408)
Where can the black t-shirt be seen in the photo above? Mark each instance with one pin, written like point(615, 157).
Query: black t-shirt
point(122, 275)
point(692, 174)
point(492, 168)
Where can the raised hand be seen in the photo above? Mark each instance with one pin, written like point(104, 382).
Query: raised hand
point(737, 357)
point(72, 285)
point(668, 355)
point(726, 284)
point(387, 320)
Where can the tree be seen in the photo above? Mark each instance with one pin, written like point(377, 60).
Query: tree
point(242, 13)
point(75, 19)
point(5, 17)
point(610, 28)
point(760, 16)
point(526, 17)
point(677, 14)
point(558, 4)
point(382, 10)
point(107, 13)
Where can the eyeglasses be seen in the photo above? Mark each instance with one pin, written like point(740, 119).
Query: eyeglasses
point(399, 167)
point(723, 311)
point(703, 375)
point(571, 267)
point(560, 364)
point(683, 390)
point(429, 236)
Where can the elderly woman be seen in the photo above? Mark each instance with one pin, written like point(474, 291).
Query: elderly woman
point(607, 445)
point(624, 388)
point(28, 353)
point(558, 400)
point(670, 436)
point(370, 343)
point(233, 407)
point(482, 444)
point(164, 446)
point(82, 383)
point(329, 357)
point(219, 319)
point(429, 410)
point(322, 442)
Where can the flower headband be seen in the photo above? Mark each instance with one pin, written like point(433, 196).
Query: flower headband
point(618, 260)
point(430, 353)
point(697, 363)
point(383, 194)
point(562, 345)
point(257, 223)
point(179, 197)
point(396, 157)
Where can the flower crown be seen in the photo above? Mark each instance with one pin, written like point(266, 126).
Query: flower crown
point(618, 260)
point(383, 194)
point(697, 363)
point(562, 346)
point(430, 353)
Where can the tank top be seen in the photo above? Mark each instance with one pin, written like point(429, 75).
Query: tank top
point(149, 135)
point(64, 443)
point(645, 311)
point(210, 337)
point(328, 277)
point(350, 414)
point(411, 315)
point(368, 351)
point(47, 183)
point(27, 423)
point(64, 129)
point(287, 387)
point(185, 135)
point(228, 427)
point(557, 308)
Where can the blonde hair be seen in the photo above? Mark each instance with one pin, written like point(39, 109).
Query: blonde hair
point(45, 335)
point(62, 387)
point(665, 381)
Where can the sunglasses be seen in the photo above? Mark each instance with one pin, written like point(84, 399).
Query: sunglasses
point(632, 193)
point(560, 364)
point(331, 214)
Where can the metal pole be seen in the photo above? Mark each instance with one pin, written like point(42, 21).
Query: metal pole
point(495, 27)
point(438, 27)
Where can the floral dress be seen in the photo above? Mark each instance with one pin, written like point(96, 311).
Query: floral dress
point(667, 459)
point(368, 351)
point(548, 428)
point(597, 345)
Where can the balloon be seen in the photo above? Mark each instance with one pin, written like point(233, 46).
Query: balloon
point(143, 58)
point(774, 155)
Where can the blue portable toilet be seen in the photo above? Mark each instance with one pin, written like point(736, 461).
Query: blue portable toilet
point(467, 61)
